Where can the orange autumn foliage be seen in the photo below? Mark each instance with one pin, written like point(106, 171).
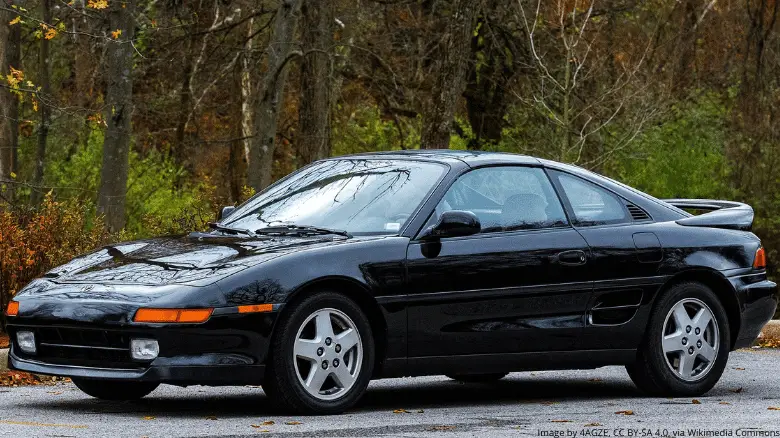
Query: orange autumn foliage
point(32, 241)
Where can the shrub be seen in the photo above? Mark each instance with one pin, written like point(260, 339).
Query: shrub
point(34, 241)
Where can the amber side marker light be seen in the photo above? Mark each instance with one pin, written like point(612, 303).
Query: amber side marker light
point(13, 308)
point(760, 261)
point(180, 316)
point(256, 308)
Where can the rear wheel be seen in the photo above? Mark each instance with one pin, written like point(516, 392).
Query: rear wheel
point(113, 390)
point(322, 356)
point(686, 346)
point(477, 378)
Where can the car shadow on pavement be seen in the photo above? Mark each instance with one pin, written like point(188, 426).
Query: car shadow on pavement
point(389, 395)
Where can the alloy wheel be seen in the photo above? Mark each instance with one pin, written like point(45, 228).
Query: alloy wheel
point(327, 354)
point(690, 339)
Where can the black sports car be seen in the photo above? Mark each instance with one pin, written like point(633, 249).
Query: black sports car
point(395, 264)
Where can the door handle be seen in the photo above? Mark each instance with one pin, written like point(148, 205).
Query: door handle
point(571, 258)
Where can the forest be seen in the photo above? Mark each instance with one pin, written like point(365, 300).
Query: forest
point(124, 119)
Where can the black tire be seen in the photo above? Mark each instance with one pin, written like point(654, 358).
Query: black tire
point(281, 382)
point(651, 372)
point(477, 378)
point(113, 390)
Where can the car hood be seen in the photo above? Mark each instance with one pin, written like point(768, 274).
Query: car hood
point(195, 260)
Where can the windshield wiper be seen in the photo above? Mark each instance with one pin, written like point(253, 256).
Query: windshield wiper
point(301, 229)
point(218, 227)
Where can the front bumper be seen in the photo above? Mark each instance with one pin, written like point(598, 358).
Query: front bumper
point(210, 375)
point(757, 299)
point(228, 349)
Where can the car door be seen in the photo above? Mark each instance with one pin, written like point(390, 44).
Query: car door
point(520, 285)
point(625, 258)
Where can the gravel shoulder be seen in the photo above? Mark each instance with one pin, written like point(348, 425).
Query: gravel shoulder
point(525, 404)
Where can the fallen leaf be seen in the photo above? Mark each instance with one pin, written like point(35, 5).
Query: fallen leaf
point(593, 425)
point(267, 423)
point(739, 369)
point(773, 408)
point(724, 403)
point(441, 428)
point(116, 34)
point(400, 411)
point(560, 421)
point(736, 391)
point(211, 417)
point(54, 392)
point(625, 412)
point(292, 423)
point(695, 402)
point(149, 417)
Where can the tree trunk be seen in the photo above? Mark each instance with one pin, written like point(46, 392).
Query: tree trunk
point(44, 110)
point(248, 88)
point(180, 145)
point(316, 78)
point(489, 79)
point(119, 108)
point(457, 24)
point(6, 133)
point(280, 51)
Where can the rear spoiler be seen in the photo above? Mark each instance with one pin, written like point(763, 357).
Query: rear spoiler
point(721, 214)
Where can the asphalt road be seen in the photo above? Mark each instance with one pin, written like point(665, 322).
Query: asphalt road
point(569, 403)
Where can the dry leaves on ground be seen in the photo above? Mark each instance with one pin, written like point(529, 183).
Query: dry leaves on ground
point(401, 411)
point(773, 408)
point(292, 423)
point(441, 428)
point(18, 378)
point(149, 417)
point(695, 402)
point(625, 412)
point(560, 421)
point(4, 340)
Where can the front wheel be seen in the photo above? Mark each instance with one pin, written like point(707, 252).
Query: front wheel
point(322, 356)
point(113, 390)
point(686, 345)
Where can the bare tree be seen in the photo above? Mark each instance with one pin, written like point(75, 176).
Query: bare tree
point(45, 108)
point(569, 89)
point(316, 81)
point(455, 23)
point(6, 151)
point(119, 108)
point(280, 51)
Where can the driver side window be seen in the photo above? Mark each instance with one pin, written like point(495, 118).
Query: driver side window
point(505, 199)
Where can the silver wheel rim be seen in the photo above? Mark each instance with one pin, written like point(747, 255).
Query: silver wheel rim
point(328, 354)
point(690, 339)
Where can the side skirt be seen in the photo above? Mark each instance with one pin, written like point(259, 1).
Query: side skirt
point(506, 362)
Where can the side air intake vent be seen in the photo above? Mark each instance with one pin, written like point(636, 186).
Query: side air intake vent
point(637, 213)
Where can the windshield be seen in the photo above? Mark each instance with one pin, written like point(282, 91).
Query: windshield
point(360, 196)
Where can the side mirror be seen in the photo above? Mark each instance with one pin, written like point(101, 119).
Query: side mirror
point(455, 223)
point(226, 211)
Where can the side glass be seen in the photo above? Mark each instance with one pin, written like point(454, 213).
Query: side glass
point(505, 199)
point(591, 204)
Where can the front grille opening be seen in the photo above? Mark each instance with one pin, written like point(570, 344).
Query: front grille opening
point(82, 347)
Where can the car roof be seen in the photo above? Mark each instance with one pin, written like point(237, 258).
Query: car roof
point(471, 158)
